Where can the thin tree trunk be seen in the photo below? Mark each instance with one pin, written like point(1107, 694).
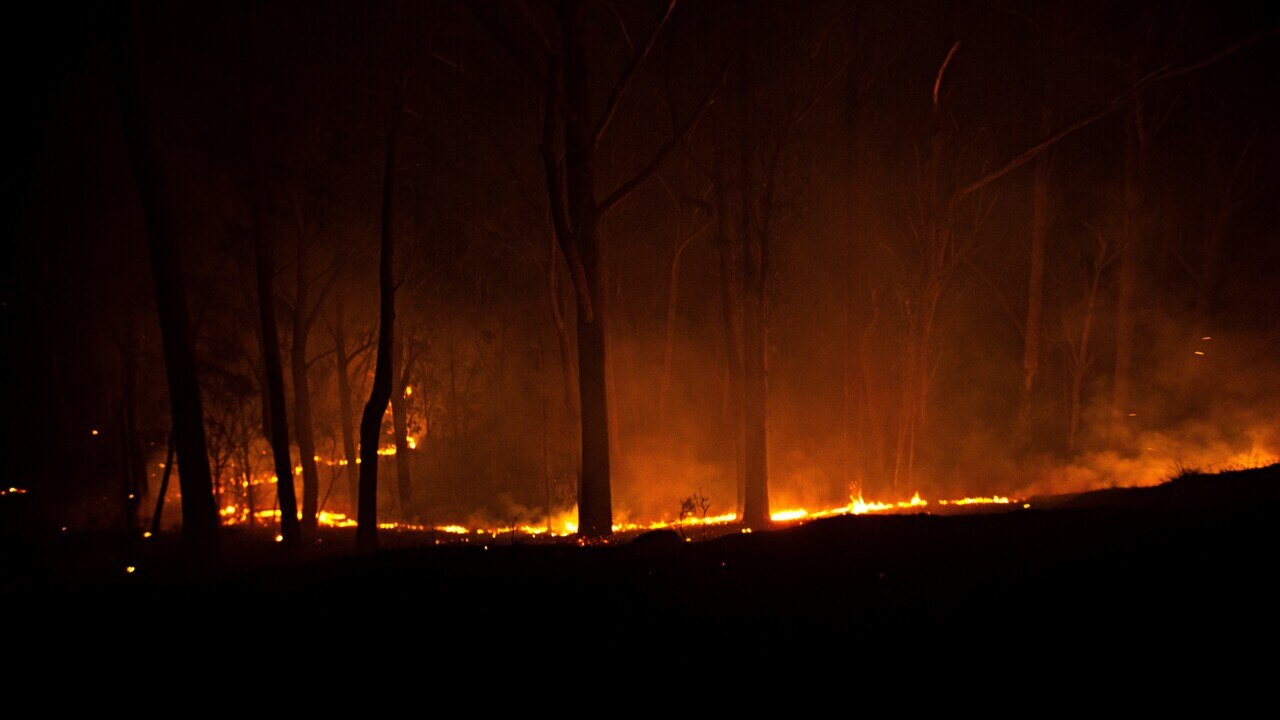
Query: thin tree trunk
point(199, 515)
point(247, 479)
point(302, 386)
point(135, 458)
point(731, 313)
point(164, 487)
point(668, 348)
point(380, 395)
point(755, 340)
point(755, 507)
point(344, 406)
point(400, 430)
point(568, 366)
point(270, 341)
point(1035, 280)
point(455, 430)
point(1130, 250)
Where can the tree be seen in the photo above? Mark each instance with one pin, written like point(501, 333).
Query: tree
point(305, 312)
point(570, 141)
point(199, 513)
point(380, 395)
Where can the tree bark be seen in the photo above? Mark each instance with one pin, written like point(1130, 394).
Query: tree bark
point(302, 421)
point(1035, 280)
point(344, 406)
point(135, 458)
point(731, 312)
point(199, 514)
point(270, 341)
point(400, 429)
point(1130, 251)
point(380, 395)
point(164, 488)
point(595, 502)
point(568, 364)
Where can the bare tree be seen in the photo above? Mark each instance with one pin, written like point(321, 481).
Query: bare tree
point(199, 514)
point(570, 142)
point(380, 395)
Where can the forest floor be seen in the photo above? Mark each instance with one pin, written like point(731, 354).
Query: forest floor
point(1193, 558)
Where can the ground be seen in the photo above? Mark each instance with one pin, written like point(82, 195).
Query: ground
point(1188, 561)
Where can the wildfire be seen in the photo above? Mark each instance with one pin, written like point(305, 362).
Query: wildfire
point(996, 500)
point(565, 524)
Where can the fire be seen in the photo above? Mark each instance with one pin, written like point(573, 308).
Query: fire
point(994, 500)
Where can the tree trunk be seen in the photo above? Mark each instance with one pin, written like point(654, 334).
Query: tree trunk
point(400, 430)
point(247, 480)
point(668, 348)
point(595, 503)
point(302, 387)
point(1130, 251)
point(568, 366)
point(344, 405)
point(164, 488)
point(380, 395)
point(135, 458)
point(755, 507)
point(1035, 280)
point(270, 340)
point(199, 514)
point(731, 313)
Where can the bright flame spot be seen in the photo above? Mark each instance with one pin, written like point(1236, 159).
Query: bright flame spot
point(297, 470)
point(408, 390)
point(129, 569)
point(146, 534)
point(1199, 353)
point(412, 442)
point(93, 432)
point(279, 538)
point(995, 500)
point(788, 515)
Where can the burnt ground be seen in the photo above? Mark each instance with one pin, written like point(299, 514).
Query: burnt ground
point(1191, 561)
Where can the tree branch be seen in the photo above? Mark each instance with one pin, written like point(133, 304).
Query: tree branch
point(681, 132)
point(1119, 102)
point(628, 73)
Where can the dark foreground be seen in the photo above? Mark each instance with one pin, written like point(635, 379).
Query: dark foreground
point(1193, 560)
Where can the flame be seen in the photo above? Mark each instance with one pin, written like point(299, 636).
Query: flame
point(993, 500)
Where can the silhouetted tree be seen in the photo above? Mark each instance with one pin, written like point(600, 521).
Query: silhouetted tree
point(199, 514)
